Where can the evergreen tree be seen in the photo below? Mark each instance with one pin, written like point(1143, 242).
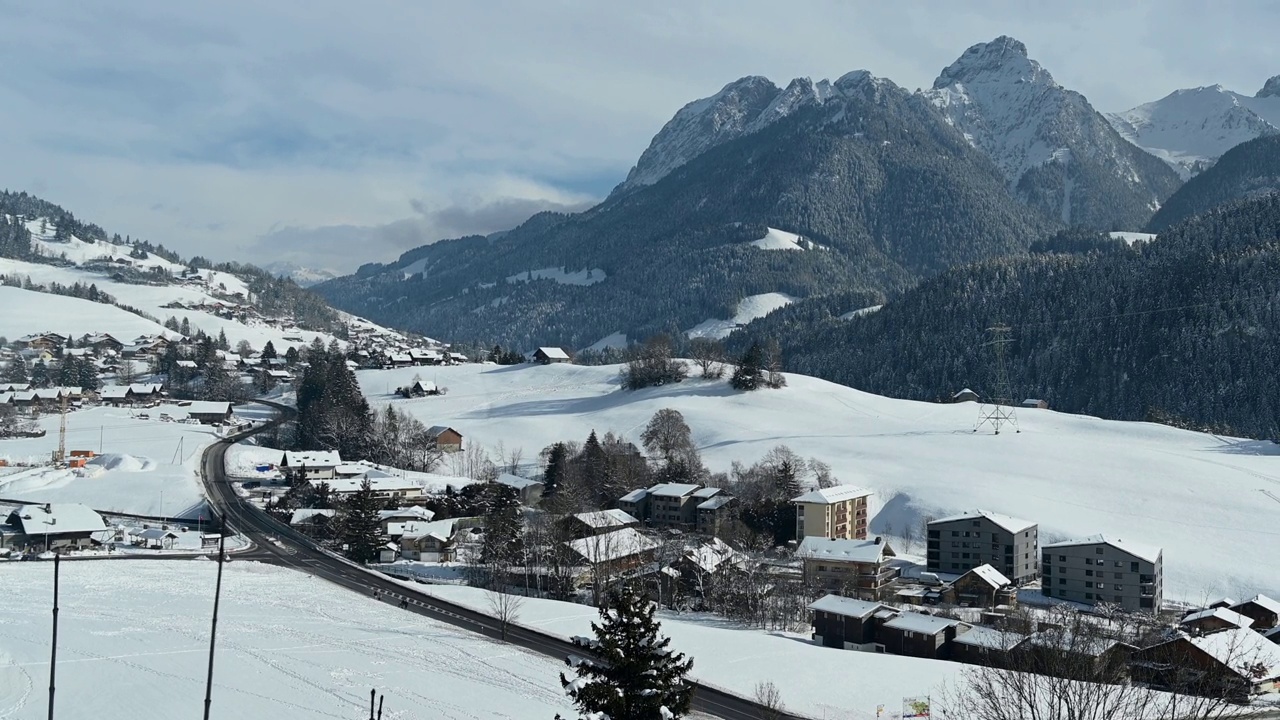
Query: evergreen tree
point(269, 352)
point(501, 545)
point(557, 469)
point(290, 355)
point(40, 375)
point(361, 528)
point(632, 675)
point(594, 462)
point(15, 371)
point(749, 375)
point(222, 342)
point(185, 327)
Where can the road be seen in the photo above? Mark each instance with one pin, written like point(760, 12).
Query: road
point(277, 543)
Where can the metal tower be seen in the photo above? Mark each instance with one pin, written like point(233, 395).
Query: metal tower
point(998, 410)
point(61, 456)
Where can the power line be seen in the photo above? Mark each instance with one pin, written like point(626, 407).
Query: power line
point(1268, 298)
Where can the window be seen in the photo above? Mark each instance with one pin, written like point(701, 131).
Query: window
point(1097, 551)
point(1088, 561)
point(1119, 598)
point(955, 555)
point(1088, 583)
point(1102, 586)
point(977, 534)
point(1119, 576)
point(955, 566)
point(1119, 588)
point(955, 533)
point(1088, 596)
point(1088, 573)
point(966, 533)
point(1119, 564)
point(1133, 567)
point(977, 523)
point(1062, 581)
point(964, 555)
point(1062, 558)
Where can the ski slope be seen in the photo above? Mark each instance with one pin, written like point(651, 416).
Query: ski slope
point(133, 642)
point(1212, 503)
point(150, 467)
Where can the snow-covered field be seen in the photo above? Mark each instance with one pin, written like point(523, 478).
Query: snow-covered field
point(561, 276)
point(148, 467)
point(43, 312)
point(750, 308)
point(133, 642)
point(1209, 501)
point(814, 681)
point(1133, 237)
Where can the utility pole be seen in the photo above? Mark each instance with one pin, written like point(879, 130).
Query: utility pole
point(53, 654)
point(999, 410)
point(213, 631)
point(61, 456)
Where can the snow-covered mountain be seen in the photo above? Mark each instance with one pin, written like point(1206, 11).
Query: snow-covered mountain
point(303, 276)
point(1058, 153)
point(1190, 129)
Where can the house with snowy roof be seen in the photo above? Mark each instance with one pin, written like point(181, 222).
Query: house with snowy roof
point(1214, 619)
point(1238, 663)
point(847, 623)
point(983, 587)
point(434, 541)
point(854, 568)
point(919, 635)
point(586, 524)
point(550, 355)
point(52, 526)
point(528, 490)
point(835, 512)
point(959, 543)
point(445, 438)
point(1264, 611)
point(1104, 569)
point(310, 464)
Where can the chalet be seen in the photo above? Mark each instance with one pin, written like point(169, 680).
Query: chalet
point(446, 438)
point(42, 341)
point(849, 624)
point(1214, 619)
point(1035, 404)
point(187, 364)
point(425, 357)
point(1236, 662)
point(587, 524)
point(1086, 654)
point(920, 635)
point(209, 413)
point(965, 395)
point(6, 399)
point(103, 342)
point(419, 388)
point(434, 541)
point(983, 645)
point(14, 387)
point(400, 360)
point(53, 526)
point(384, 485)
point(117, 395)
point(984, 587)
point(702, 565)
point(310, 464)
point(308, 520)
point(855, 568)
point(613, 552)
point(1264, 611)
point(395, 519)
point(550, 355)
point(529, 491)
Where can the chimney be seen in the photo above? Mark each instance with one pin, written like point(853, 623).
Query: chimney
point(48, 508)
point(878, 539)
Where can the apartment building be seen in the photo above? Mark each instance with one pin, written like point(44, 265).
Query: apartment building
point(840, 512)
point(853, 568)
point(960, 543)
point(1101, 569)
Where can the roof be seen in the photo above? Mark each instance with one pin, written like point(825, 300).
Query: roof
point(611, 545)
point(378, 482)
point(1261, 601)
point(554, 353)
point(350, 470)
point(863, 551)
point(1223, 614)
point(516, 481)
point(436, 431)
point(921, 623)
point(1005, 522)
point(1064, 640)
point(839, 493)
point(706, 492)
point(715, 503)
point(409, 513)
point(440, 530)
point(155, 534)
point(988, 637)
point(56, 518)
point(634, 496)
point(115, 391)
point(1241, 650)
point(606, 518)
point(208, 407)
point(673, 489)
point(965, 391)
point(847, 607)
point(305, 514)
point(991, 576)
point(1150, 553)
point(322, 458)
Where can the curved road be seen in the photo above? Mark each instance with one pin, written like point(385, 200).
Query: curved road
point(279, 544)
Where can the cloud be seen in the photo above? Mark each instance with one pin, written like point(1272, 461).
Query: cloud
point(331, 247)
point(214, 128)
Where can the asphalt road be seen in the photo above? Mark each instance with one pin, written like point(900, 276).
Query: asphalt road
point(277, 543)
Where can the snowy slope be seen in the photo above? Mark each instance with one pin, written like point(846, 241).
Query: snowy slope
point(561, 276)
point(133, 643)
point(152, 469)
point(776, 239)
point(24, 312)
point(1190, 129)
point(750, 308)
point(1203, 498)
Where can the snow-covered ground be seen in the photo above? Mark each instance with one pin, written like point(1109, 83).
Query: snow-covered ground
point(813, 680)
point(860, 312)
point(616, 340)
point(562, 276)
point(43, 312)
point(1209, 501)
point(775, 239)
point(133, 642)
point(147, 467)
point(1133, 237)
point(750, 308)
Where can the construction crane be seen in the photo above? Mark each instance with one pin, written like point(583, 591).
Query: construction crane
point(60, 457)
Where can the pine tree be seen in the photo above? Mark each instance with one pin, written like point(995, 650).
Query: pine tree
point(185, 327)
point(40, 375)
point(15, 371)
point(749, 375)
point(269, 352)
point(557, 469)
point(361, 530)
point(632, 675)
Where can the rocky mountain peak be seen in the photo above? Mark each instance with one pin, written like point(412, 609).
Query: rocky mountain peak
point(1271, 88)
point(1002, 58)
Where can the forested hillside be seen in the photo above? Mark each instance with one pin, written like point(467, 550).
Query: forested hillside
point(1249, 169)
point(1182, 329)
point(888, 191)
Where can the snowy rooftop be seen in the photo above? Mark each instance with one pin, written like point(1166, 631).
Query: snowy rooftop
point(634, 496)
point(1242, 650)
point(1150, 553)
point(56, 518)
point(1010, 524)
point(992, 576)
point(612, 545)
point(863, 551)
point(606, 518)
point(409, 513)
point(921, 623)
point(305, 514)
point(440, 530)
point(839, 493)
point(312, 458)
point(715, 503)
point(380, 482)
point(516, 481)
point(1263, 601)
point(673, 489)
point(706, 492)
point(208, 407)
point(1223, 614)
point(986, 637)
point(554, 353)
point(848, 607)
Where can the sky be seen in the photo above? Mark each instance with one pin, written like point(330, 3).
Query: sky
point(330, 134)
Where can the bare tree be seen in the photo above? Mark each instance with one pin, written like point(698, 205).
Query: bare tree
point(708, 355)
point(505, 608)
point(769, 698)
